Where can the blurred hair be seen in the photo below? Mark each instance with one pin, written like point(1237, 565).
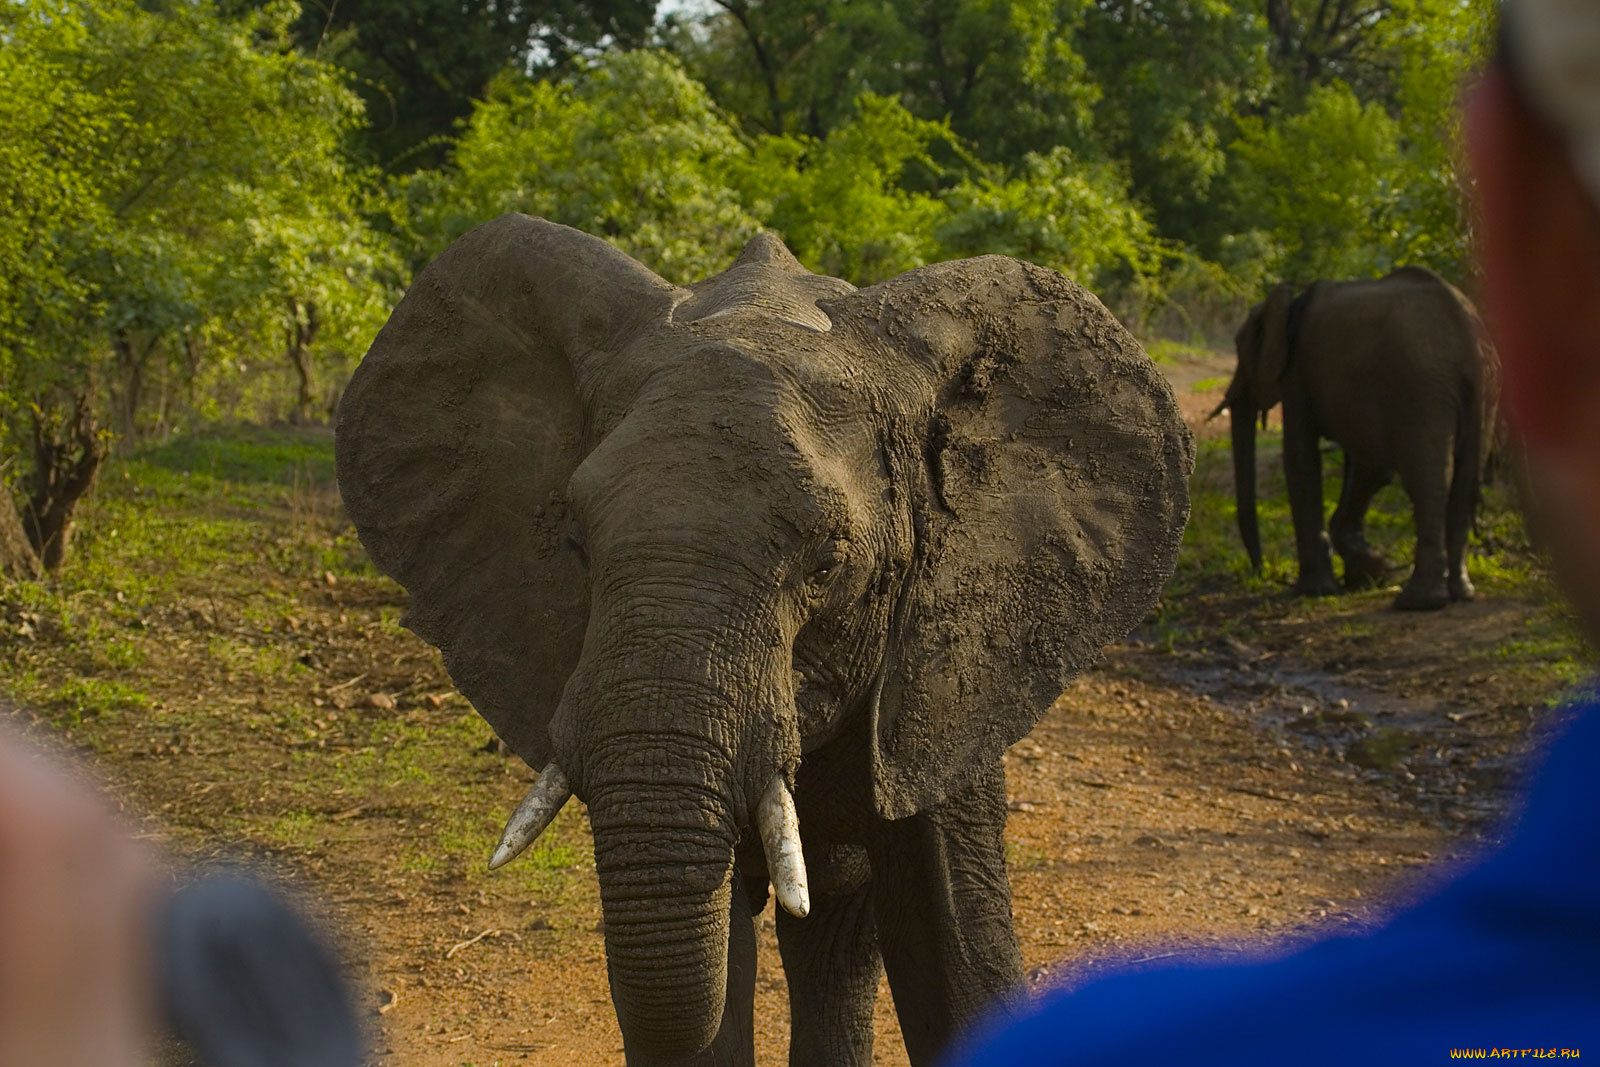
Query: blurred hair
point(1551, 50)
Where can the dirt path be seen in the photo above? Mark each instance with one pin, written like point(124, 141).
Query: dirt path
point(1223, 813)
point(1244, 773)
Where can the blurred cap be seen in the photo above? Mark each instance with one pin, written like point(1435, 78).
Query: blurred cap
point(248, 984)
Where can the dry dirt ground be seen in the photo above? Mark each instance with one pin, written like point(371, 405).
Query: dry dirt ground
point(1244, 773)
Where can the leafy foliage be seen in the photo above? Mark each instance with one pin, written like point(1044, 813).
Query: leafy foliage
point(1056, 211)
point(1003, 73)
point(191, 229)
point(183, 195)
point(631, 149)
point(420, 64)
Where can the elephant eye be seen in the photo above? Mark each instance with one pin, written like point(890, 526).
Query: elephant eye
point(832, 556)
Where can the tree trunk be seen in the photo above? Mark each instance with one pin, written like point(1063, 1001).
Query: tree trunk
point(66, 456)
point(17, 558)
point(131, 365)
point(302, 333)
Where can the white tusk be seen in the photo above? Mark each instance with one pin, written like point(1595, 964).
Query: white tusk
point(780, 838)
point(536, 811)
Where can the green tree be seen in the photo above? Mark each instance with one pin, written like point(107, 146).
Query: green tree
point(1003, 73)
point(1319, 204)
point(1057, 212)
point(214, 191)
point(1427, 216)
point(629, 148)
point(420, 64)
point(1348, 185)
point(841, 204)
point(1174, 75)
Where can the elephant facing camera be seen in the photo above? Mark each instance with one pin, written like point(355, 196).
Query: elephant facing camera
point(768, 571)
point(1398, 372)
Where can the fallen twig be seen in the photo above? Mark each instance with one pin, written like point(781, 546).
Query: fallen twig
point(345, 684)
point(470, 942)
point(1262, 793)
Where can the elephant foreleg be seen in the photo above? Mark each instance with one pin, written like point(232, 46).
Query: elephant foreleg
point(1362, 566)
point(831, 961)
point(943, 908)
point(1302, 470)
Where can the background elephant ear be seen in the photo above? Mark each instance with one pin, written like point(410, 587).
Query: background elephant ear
point(1053, 469)
point(1272, 351)
point(456, 439)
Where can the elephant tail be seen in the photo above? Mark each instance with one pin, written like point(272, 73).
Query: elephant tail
point(1466, 478)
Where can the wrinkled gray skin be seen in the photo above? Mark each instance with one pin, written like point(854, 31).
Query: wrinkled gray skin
point(682, 540)
point(1394, 370)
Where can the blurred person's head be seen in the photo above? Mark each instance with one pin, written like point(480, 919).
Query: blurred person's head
point(1533, 127)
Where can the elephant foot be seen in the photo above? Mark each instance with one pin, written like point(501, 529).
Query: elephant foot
point(1364, 570)
point(1418, 597)
point(1317, 585)
point(1461, 587)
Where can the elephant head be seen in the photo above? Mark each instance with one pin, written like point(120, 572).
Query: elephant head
point(1262, 344)
point(672, 539)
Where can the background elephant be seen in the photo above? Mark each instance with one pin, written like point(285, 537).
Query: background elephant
point(1394, 370)
point(760, 557)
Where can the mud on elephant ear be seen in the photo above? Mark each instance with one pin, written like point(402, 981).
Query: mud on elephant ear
point(1045, 458)
point(455, 442)
point(1050, 501)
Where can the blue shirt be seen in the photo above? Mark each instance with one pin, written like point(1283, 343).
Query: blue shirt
point(1504, 959)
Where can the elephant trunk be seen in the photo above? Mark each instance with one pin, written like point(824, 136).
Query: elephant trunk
point(1243, 417)
point(664, 858)
point(676, 719)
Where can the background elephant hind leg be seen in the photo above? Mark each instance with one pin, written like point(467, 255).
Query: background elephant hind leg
point(832, 964)
point(943, 907)
point(1363, 567)
point(1426, 482)
point(1466, 480)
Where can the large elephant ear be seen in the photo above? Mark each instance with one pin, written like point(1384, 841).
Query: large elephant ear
point(1270, 357)
point(456, 439)
point(1054, 467)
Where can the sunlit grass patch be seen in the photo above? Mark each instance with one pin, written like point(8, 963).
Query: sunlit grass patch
point(248, 455)
point(1163, 350)
point(298, 830)
point(78, 699)
point(344, 557)
point(1499, 558)
point(1551, 646)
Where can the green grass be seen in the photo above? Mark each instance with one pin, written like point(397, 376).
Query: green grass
point(1212, 564)
point(1163, 350)
point(245, 455)
point(1499, 558)
point(1552, 645)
